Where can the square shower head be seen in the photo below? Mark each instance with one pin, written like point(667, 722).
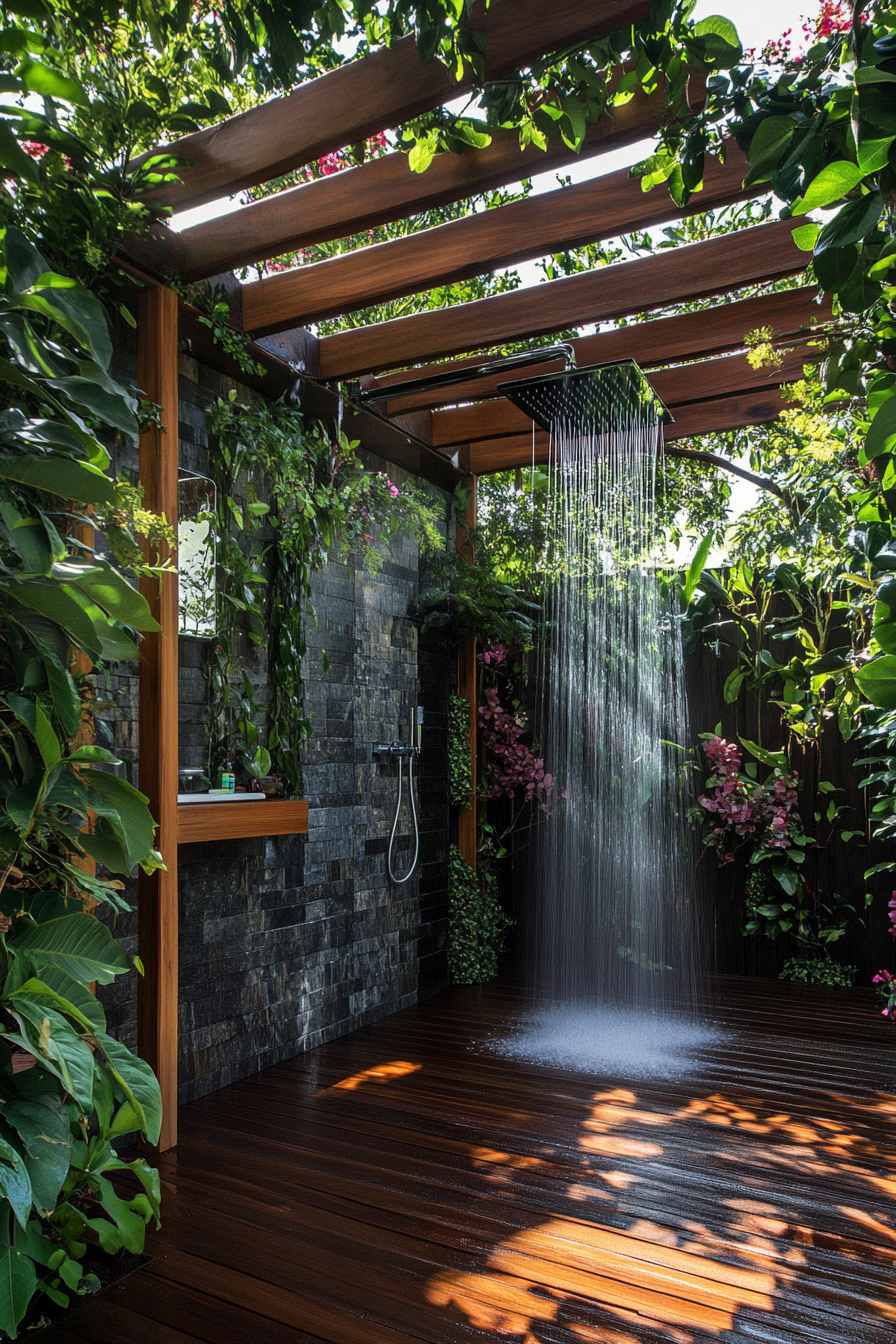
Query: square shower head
point(584, 394)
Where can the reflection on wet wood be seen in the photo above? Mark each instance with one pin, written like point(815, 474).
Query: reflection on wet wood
point(402, 1184)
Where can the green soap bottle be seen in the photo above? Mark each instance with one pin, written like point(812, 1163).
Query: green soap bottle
point(227, 778)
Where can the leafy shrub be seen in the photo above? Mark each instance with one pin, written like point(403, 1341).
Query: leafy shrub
point(476, 922)
point(460, 768)
point(819, 971)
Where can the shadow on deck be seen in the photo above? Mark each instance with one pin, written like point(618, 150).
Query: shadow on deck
point(397, 1185)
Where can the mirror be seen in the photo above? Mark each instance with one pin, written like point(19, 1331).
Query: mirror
point(197, 604)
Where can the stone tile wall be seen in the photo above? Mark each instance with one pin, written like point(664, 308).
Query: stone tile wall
point(288, 942)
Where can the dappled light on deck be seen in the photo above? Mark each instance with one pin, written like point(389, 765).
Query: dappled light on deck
point(403, 1185)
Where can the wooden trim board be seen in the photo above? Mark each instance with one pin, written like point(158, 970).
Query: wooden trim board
point(222, 821)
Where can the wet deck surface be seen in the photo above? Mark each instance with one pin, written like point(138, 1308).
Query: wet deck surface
point(398, 1185)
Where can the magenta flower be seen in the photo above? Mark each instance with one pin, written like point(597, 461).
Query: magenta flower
point(393, 489)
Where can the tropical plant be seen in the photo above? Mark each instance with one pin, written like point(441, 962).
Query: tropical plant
point(460, 766)
point(65, 609)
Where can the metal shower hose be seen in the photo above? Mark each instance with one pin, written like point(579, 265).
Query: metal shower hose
point(399, 881)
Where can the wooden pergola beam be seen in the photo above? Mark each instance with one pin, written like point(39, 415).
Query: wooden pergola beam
point(378, 91)
point(157, 933)
point(688, 383)
point(731, 261)
point(383, 190)
point(710, 331)
point(603, 207)
point(705, 417)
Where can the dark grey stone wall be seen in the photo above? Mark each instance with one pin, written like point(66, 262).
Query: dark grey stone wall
point(288, 942)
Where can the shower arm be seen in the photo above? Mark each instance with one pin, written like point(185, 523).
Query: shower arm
point(467, 373)
point(713, 460)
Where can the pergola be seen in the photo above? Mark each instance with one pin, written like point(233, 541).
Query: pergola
point(695, 361)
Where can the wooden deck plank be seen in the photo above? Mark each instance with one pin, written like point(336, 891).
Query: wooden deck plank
point(404, 1184)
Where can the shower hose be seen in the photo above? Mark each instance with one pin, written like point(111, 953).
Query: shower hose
point(400, 881)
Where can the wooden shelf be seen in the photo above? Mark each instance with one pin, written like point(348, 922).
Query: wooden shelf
point(223, 821)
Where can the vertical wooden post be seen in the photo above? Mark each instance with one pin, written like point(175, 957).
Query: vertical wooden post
point(158, 915)
point(467, 821)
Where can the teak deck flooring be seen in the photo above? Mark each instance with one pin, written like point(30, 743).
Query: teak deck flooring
point(402, 1185)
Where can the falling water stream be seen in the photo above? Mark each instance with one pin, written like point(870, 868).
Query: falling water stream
point(615, 928)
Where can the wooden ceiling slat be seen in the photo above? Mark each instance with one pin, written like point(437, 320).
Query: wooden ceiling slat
point(765, 252)
point(704, 417)
point(603, 207)
point(709, 379)
point(383, 190)
point(711, 331)
point(371, 94)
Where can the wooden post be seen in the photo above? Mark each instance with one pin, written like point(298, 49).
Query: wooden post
point(466, 686)
point(158, 914)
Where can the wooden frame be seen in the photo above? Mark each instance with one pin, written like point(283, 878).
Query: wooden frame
point(728, 262)
point(603, 207)
point(383, 190)
point(711, 331)
point(157, 1002)
point(356, 100)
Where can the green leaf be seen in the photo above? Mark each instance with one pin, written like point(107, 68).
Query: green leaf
point(80, 945)
point(60, 476)
point(769, 142)
point(834, 182)
point(835, 266)
point(877, 681)
point(774, 758)
point(15, 1183)
point(44, 1131)
point(126, 811)
point(733, 683)
point(50, 83)
point(851, 223)
point(881, 436)
point(805, 236)
point(138, 1083)
point(109, 589)
point(18, 1282)
point(54, 1043)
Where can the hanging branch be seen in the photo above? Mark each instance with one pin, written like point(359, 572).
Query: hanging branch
point(712, 460)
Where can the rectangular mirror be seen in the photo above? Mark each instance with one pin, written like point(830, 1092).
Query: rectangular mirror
point(197, 604)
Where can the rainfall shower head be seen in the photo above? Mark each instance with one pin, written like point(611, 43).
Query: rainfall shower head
point(585, 396)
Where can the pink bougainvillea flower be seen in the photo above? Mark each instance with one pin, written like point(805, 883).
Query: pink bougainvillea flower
point(35, 149)
point(393, 489)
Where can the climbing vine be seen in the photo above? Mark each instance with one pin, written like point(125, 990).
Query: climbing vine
point(476, 922)
point(289, 492)
point(460, 770)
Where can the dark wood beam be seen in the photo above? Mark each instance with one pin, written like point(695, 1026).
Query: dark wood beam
point(705, 417)
point(711, 331)
point(705, 380)
point(379, 91)
point(731, 261)
point(385, 189)
point(603, 207)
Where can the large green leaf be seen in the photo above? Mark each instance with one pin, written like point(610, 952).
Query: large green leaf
point(44, 1131)
point(62, 992)
point(877, 681)
point(60, 476)
point(18, 1282)
point(53, 1041)
point(881, 437)
point(52, 601)
point(834, 182)
point(775, 758)
point(137, 1082)
point(851, 223)
point(91, 397)
point(127, 812)
point(769, 142)
point(110, 590)
point(50, 83)
point(15, 1183)
point(80, 945)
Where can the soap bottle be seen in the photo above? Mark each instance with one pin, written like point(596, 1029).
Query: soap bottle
point(227, 778)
